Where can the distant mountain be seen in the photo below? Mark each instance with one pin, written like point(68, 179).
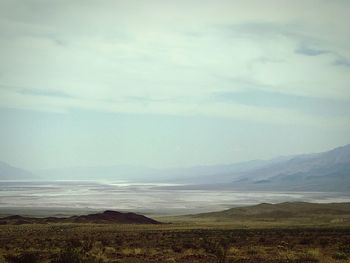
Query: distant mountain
point(107, 217)
point(221, 173)
point(327, 171)
point(280, 211)
point(113, 172)
point(185, 175)
point(8, 172)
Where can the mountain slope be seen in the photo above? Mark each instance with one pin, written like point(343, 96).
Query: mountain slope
point(327, 171)
point(305, 163)
point(8, 172)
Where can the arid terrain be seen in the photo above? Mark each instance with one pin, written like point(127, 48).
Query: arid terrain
point(322, 235)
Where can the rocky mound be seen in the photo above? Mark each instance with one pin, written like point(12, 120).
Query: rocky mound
point(113, 217)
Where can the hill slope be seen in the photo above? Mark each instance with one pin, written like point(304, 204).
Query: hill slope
point(282, 211)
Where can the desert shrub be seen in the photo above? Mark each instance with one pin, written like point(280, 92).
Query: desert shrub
point(343, 252)
point(306, 241)
point(324, 242)
point(252, 251)
point(189, 245)
point(74, 242)
point(27, 257)
point(340, 255)
point(218, 248)
point(177, 248)
point(87, 245)
point(119, 242)
point(287, 255)
point(233, 251)
point(69, 255)
point(262, 240)
point(345, 248)
point(311, 255)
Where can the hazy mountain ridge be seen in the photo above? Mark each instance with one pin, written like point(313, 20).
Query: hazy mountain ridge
point(8, 172)
point(184, 175)
point(112, 172)
point(304, 163)
point(326, 171)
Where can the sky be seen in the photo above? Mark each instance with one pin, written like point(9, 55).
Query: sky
point(171, 83)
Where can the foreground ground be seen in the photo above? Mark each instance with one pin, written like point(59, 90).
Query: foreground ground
point(176, 242)
point(267, 233)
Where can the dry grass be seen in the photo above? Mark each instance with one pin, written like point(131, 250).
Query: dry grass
point(177, 242)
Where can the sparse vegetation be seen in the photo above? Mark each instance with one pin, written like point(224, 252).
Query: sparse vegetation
point(25, 257)
point(68, 255)
point(90, 243)
point(232, 238)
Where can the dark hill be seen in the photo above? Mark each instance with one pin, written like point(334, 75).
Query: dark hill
point(107, 217)
point(113, 217)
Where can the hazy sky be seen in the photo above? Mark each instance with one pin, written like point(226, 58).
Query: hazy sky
point(171, 83)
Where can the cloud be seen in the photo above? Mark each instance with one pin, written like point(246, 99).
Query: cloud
point(156, 58)
point(309, 51)
point(266, 30)
point(342, 62)
point(275, 100)
point(47, 93)
point(133, 79)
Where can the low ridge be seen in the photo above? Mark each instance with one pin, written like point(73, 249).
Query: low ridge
point(107, 217)
point(283, 211)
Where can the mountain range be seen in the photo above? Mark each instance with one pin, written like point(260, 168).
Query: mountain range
point(8, 172)
point(326, 171)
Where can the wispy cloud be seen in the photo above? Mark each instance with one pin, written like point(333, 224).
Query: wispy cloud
point(265, 29)
point(173, 62)
point(342, 62)
point(46, 93)
point(275, 100)
point(310, 51)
